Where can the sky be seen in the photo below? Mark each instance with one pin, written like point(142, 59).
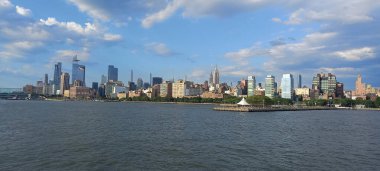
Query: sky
point(188, 38)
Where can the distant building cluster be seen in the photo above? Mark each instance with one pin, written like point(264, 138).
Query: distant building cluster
point(324, 86)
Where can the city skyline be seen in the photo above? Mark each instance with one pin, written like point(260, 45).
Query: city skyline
point(180, 39)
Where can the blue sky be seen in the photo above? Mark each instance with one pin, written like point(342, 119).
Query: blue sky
point(178, 38)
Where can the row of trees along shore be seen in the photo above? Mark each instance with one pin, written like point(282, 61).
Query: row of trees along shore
point(262, 100)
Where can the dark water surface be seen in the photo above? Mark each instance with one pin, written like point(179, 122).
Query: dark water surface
point(37, 135)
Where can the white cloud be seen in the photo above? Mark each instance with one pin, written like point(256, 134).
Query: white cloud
point(67, 55)
point(112, 37)
point(161, 15)
point(356, 54)
point(159, 49)
point(5, 3)
point(23, 11)
point(241, 55)
point(18, 49)
point(342, 11)
point(89, 28)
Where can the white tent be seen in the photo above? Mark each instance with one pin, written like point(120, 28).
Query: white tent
point(243, 102)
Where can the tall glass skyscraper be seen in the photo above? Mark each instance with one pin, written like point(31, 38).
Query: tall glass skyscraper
point(287, 86)
point(251, 85)
point(270, 86)
point(113, 73)
point(57, 75)
point(78, 72)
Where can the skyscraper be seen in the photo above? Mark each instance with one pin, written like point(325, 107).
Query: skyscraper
point(299, 81)
point(215, 75)
point(131, 75)
point(140, 83)
point(103, 80)
point(65, 82)
point(46, 81)
point(287, 86)
point(57, 75)
point(270, 87)
point(360, 87)
point(113, 73)
point(325, 84)
point(78, 71)
point(251, 85)
point(156, 80)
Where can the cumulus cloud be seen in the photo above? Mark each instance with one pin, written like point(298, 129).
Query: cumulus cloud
point(23, 11)
point(89, 28)
point(112, 37)
point(159, 49)
point(346, 12)
point(5, 3)
point(118, 11)
point(356, 54)
point(161, 15)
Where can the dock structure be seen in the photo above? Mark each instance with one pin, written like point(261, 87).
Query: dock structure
point(267, 109)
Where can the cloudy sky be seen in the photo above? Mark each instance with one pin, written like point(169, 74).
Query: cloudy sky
point(178, 38)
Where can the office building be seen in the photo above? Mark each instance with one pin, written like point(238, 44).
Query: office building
point(103, 80)
point(113, 73)
point(65, 83)
point(156, 80)
point(140, 83)
point(270, 86)
point(287, 86)
point(166, 89)
point(299, 81)
point(179, 89)
point(214, 76)
point(78, 71)
point(57, 76)
point(251, 86)
point(95, 86)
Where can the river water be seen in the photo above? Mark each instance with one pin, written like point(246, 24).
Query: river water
point(41, 135)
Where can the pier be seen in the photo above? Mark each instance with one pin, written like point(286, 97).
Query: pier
point(267, 109)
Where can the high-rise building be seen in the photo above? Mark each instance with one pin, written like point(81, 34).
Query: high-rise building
point(95, 86)
point(179, 89)
point(339, 90)
point(214, 76)
point(131, 75)
point(325, 84)
point(113, 73)
point(150, 79)
point(78, 71)
point(103, 80)
point(360, 87)
point(146, 85)
point(140, 83)
point(46, 80)
point(57, 76)
point(156, 80)
point(299, 81)
point(65, 82)
point(287, 86)
point(166, 89)
point(251, 86)
point(270, 86)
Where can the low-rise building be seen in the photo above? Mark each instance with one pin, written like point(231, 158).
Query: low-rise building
point(212, 95)
point(80, 92)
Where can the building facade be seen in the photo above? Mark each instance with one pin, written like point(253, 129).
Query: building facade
point(113, 73)
point(270, 86)
point(65, 83)
point(251, 86)
point(166, 89)
point(287, 86)
point(78, 71)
